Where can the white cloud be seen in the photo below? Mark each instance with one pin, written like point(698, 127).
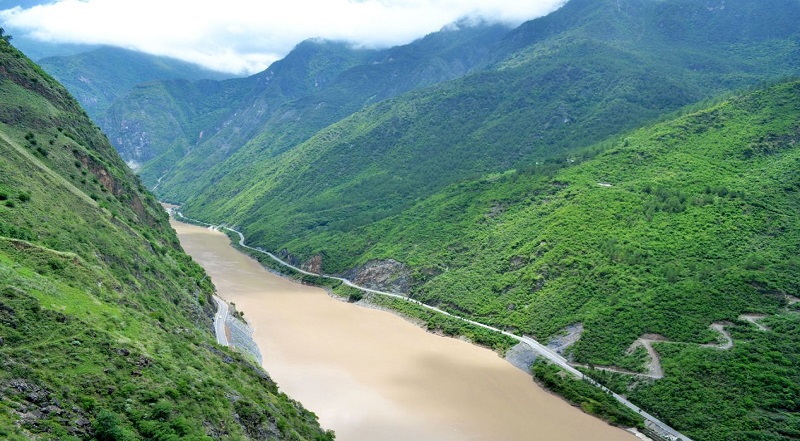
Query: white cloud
point(245, 36)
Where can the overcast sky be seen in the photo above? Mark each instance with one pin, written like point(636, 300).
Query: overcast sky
point(245, 36)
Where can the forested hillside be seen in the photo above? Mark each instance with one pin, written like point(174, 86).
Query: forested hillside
point(517, 196)
point(669, 230)
point(163, 124)
point(590, 70)
point(682, 235)
point(104, 321)
point(178, 130)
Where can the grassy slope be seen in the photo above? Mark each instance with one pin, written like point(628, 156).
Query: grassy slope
point(104, 321)
point(699, 225)
point(577, 76)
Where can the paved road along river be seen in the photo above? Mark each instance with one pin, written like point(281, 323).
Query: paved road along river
point(370, 375)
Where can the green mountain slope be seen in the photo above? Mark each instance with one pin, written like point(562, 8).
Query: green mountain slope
point(206, 121)
point(104, 321)
point(97, 78)
point(585, 72)
point(673, 228)
point(317, 84)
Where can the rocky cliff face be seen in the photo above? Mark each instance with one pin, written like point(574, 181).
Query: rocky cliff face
point(384, 275)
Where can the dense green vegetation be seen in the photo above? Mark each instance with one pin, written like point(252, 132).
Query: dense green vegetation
point(665, 230)
point(749, 392)
point(580, 393)
point(163, 124)
point(315, 85)
point(588, 71)
point(104, 321)
point(668, 230)
point(520, 196)
point(512, 185)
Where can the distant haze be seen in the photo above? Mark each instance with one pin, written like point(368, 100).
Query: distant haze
point(245, 36)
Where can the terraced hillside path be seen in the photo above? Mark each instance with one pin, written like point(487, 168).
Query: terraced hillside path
point(728, 341)
point(646, 341)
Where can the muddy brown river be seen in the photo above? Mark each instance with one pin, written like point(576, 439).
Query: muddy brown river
point(372, 376)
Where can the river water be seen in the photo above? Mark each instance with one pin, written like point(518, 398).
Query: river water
point(371, 376)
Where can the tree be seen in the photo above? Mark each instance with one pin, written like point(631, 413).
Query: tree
point(5, 37)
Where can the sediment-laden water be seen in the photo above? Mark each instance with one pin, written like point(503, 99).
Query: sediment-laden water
point(371, 376)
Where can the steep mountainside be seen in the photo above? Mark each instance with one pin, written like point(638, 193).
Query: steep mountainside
point(669, 230)
point(681, 236)
point(97, 78)
point(317, 84)
point(587, 71)
point(163, 123)
point(104, 321)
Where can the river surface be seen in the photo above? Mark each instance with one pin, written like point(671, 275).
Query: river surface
point(370, 375)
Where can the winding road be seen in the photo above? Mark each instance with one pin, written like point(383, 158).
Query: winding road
point(219, 321)
point(651, 421)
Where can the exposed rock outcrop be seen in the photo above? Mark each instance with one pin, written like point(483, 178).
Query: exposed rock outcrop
point(521, 356)
point(565, 339)
point(313, 265)
point(384, 275)
point(288, 257)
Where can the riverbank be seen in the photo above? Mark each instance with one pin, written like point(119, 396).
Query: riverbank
point(371, 375)
point(486, 334)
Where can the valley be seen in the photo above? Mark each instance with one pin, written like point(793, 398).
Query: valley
point(558, 204)
point(615, 184)
point(371, 375)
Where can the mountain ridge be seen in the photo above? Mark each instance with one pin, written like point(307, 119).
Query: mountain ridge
point(560, 95)
point(98, 77)
point(365, 77)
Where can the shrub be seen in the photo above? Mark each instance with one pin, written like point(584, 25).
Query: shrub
point(107, 427)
